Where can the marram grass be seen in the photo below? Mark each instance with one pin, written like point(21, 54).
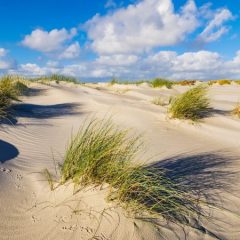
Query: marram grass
point(102, 153)
point(159, 82)
point(192, 105)
point(236, 111)
point(11, 87)
point(98, 152)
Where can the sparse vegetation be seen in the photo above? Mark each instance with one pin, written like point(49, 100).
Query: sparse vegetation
point(158, 82)
point(115, 81)
point(237, 82)
point(186, 82)
point(161, 101)
point(224, 82)
point(11, 88)
point(63, 78)
point(220, 82)
point(236, 111)
point(55, 78)
point(192, 104)
point(101, 153)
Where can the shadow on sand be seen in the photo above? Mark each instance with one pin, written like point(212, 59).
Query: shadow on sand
point(204, 176)
point(7, 151)
point(199, 173)
point(35, 111)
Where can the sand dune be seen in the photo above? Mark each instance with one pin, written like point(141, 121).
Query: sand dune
point(206, 155)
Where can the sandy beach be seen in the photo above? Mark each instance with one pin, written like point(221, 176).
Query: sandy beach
point(205, 155)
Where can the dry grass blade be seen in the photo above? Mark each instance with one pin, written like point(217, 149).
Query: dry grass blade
point(236, 111)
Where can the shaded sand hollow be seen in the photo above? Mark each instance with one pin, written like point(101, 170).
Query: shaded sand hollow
point(205, 155)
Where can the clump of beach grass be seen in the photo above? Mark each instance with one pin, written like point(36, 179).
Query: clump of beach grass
point(101, 153)
point(186, 83)
point(224, 82)
point(158, 82)
point(8, 88)
point(160, 101)
point(46, 80)
point(192, 105)
point(98, 152)
point(5, 103)
point(236, 111)
point(11, 88)
point(21, 88)
point(7, 93)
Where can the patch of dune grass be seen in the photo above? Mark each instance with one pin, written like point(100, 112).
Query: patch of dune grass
point(193, 104)
point(5, 103)
point(55, 78)
point(102, 153)
point(161, 101)
point(224, 82)
point(10, 90)
point(236, 111)
point(97, 153)
point(124, 82)
point(21, 88)
point(186, 83)
point(220, 82)
point(237, 82)
point(158, 82)
point(63, 78)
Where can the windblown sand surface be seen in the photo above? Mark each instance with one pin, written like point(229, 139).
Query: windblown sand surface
point(205, 155)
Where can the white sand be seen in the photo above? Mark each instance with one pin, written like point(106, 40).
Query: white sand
point(208, 155)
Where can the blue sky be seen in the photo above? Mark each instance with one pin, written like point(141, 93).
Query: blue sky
point(127, 39)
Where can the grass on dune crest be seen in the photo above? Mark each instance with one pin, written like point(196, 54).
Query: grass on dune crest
point(125, 82)
point(158, 82)
point(10, 89)
point(55, 78)
point(102, 153)
point(192, 105)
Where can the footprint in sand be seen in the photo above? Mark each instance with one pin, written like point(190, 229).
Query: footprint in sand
point(70, 228)
point(19, 177)
point(35, 219)
point(6, 170)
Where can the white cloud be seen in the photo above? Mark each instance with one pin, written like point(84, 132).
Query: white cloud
point(110, 4)
point(140, 27)
point(32, 69)
point(52, 64)
point(119, 59)
point(3, 52)
point(6, 63)
point(169, 64)
point(215, 27)
point(44, 41)
point(71, 51)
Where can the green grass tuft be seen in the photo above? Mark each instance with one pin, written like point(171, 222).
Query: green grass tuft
point(11, 87)
point(102, 153)
point(158, 82)
point(97, 153)
point(192, 104)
